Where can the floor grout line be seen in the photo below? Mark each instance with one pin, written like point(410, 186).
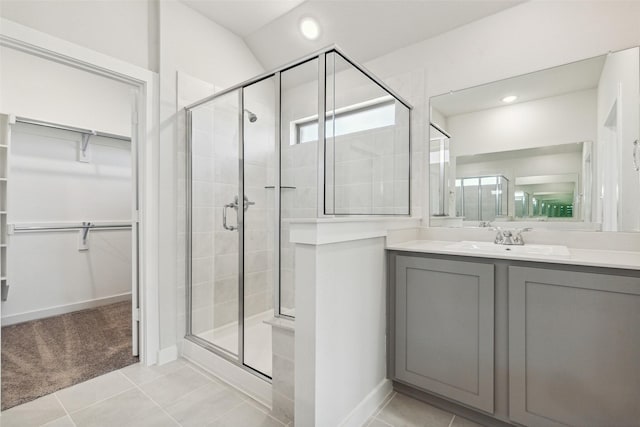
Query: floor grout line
point(64, 409)
point(100, 401)
point(127, 378)
point(389, 399)
point(197, 367)
point(381, 421)
point(158, 405)
point(374, 417)
point(186, 365)
point(145, 382)
point(195, 390)
point(239, 404)
point(263, 411)
point(244, 396)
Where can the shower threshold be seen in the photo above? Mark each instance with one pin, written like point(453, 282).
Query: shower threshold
point(257, 341)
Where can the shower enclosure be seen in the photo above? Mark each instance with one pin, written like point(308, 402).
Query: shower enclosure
point(260, 156)
point(482, 198)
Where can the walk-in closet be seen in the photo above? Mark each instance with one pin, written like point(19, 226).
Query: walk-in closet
point(68, 226)
point(66, 256)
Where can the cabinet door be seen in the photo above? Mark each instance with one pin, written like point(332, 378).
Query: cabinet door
point(444, 328)
point(574, 348)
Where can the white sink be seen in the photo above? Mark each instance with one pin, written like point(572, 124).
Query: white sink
point(492, 248)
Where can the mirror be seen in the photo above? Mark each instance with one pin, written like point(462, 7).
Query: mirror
point(555, 149)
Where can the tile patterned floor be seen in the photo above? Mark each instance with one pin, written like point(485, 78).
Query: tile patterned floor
point(180, 394)
point(172, 395)
point(403, 411)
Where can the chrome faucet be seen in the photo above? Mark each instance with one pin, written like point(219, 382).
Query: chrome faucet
point(510, 237)
point(503, 237)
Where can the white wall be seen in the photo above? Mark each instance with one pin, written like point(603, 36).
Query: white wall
point(48, 186)
point(119, 28)
point(532, 36)
point(40, 89)
point(544, 122)
point(340, 370)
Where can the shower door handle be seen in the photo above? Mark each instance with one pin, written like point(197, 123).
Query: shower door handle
point(224, 216)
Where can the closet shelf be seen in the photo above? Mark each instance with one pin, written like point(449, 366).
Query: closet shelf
point(4, 146)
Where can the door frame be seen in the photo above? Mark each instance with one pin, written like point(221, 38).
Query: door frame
point(146, 85)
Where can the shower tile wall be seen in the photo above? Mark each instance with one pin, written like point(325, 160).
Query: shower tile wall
point(259, 218)
point(299, 171)
point(211, 185)
point(371, 170)
point(411, 86)
point(299, 168)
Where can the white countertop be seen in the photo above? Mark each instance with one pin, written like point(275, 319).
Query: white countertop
point(588, 257)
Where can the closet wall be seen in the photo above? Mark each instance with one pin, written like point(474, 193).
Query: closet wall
point(51, 272)
point(47, 274)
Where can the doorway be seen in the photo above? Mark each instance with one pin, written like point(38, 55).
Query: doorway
point(70, 288)
point(143, 90)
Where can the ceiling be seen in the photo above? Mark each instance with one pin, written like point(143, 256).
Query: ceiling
point(525, 153)
point(573, 77)
point(243, 17)
point(364, 29)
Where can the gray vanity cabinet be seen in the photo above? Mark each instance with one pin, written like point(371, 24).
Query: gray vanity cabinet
point(574, 348)
point(444, 326)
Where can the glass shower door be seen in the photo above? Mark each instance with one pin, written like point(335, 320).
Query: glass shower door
point(259, 225)
point(232, 224)
point(215, 244)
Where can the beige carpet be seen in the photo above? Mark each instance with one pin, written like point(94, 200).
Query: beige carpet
point(42, 356)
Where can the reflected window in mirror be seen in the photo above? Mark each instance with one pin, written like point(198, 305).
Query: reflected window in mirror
point(562, 150)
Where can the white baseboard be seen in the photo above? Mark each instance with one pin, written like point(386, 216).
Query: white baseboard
point(367, 408)
point(12, 319)
point(167, 355)
point(234, 375)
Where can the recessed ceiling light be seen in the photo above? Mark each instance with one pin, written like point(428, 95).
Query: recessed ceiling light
point(509, 99)
point(309, 28)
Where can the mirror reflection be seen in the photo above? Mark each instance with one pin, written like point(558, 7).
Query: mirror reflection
point(555, 149)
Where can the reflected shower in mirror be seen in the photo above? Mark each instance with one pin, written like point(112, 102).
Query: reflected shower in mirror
point(551, 149)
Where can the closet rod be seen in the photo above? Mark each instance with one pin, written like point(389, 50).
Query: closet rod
point(71, 128)
point(73, 227)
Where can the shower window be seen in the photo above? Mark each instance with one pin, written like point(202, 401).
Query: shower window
point(355, 118)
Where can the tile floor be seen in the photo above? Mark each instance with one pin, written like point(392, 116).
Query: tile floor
point(176, 394)
point(403, 411)
point(181, 394)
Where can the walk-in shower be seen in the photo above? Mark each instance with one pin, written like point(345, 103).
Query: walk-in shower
point(291, 164)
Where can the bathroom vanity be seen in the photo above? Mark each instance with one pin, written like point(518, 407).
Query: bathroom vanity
point(515, 336)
